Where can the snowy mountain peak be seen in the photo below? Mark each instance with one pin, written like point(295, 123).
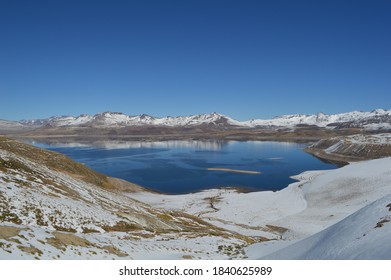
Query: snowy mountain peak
point(146, 116)
point(110, 114)
point(321, 117)
point(380, 111)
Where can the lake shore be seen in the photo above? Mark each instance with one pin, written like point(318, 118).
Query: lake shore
point(234, 170)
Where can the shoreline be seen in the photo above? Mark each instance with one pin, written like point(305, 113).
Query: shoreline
point(234, 170)
point(300, 136)
point(336, 159)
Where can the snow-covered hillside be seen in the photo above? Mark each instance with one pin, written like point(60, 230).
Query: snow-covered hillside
point(376, 120)
point(11, 125)
point(366, 234)
point(318, 201)
point(353, 147)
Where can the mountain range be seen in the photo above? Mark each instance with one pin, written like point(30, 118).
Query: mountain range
point(374, 120)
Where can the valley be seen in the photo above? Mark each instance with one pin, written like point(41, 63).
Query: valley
point(55, 208)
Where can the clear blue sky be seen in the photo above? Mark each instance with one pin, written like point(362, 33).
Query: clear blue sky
point(246, 59)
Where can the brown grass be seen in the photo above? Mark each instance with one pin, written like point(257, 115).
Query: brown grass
point(7, 232)
point(122, 226)
point(31, 250)
point(381, 223)
point(277, 229)
point(62, 240)
point(115, 251)
point(53, 160)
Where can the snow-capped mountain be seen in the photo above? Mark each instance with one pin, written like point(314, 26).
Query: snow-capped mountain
point(379, 119)
point(11, 125)
point(120, 119)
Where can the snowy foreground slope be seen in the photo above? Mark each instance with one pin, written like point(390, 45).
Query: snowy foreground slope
point(317, 202)
point(362, 235)
point(54, 208)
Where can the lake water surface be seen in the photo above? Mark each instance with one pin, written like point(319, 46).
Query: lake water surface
point(182, 166)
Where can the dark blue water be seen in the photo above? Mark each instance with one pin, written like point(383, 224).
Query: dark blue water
point(181, 166)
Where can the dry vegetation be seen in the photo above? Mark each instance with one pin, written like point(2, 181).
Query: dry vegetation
point(53, 160)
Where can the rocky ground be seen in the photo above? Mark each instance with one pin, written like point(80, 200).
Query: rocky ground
point(355, 147)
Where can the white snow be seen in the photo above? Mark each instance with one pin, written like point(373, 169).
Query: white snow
point(375, 139)
point(323, 120)
point(11, 125)
point(375, 120)
point(119, 119)
point(357, 142)
point(366, 234)
point(319, 200)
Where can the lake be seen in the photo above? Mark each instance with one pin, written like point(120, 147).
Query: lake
point(176, 167)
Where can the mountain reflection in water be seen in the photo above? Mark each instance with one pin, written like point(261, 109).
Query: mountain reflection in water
point(181, 166)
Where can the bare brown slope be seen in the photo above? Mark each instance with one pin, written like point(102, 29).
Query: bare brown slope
point(62, 163)
point(346, 149)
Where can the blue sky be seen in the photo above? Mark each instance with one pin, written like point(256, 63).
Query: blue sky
point(246, 59)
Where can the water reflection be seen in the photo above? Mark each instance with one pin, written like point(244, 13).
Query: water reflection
point(210, 145)
point(182, 166)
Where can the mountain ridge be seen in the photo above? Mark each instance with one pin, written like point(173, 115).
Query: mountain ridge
point(374, 120)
